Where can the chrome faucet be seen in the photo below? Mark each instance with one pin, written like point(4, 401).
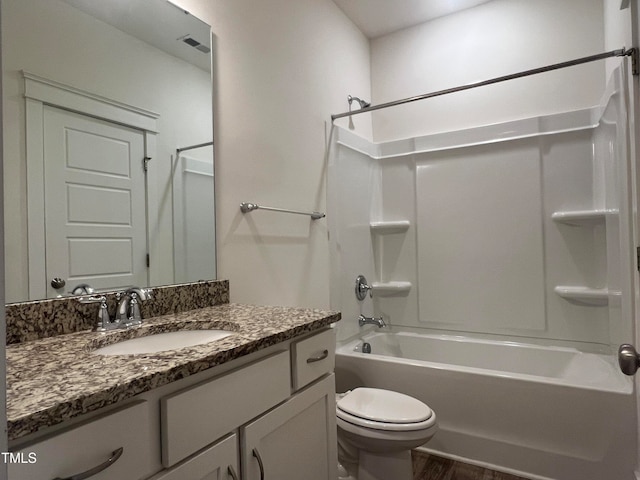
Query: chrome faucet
point(362, 320)
point(128, 309)
point(127, 312)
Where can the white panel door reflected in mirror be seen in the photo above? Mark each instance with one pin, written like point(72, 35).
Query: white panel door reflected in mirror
point(149, 57)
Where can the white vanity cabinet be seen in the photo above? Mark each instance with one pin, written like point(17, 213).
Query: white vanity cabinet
point(90, 445)
point(296, 440)
point(191, 419)
point(282, 435)
point(271, 416)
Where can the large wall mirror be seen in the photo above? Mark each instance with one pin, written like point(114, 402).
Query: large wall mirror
point(108, 156)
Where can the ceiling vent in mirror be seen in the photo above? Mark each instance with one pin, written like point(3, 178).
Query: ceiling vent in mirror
point(194, 43)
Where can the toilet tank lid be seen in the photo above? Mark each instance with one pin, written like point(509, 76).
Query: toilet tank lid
point(384, 406)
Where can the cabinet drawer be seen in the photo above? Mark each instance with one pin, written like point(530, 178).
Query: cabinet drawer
point(87, 445)
point(313, 357)
point(213, 462)
point(193, 418)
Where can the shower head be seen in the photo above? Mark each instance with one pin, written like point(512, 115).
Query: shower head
point(363, 104)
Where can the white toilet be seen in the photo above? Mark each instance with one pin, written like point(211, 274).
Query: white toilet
point(377, 430)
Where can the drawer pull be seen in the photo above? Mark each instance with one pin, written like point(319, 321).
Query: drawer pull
point(231, 471)
point(90, 473)
point(322, 356)
point(260, 464)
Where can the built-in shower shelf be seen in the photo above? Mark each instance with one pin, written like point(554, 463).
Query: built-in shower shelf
point(585, 295)
point(398, 226)
point(390, 289)
point(581, 218)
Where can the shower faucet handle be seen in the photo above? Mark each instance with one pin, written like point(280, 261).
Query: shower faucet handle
point(362, 287)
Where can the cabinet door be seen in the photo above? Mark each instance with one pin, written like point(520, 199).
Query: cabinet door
point(296, 440)
point(218, 462)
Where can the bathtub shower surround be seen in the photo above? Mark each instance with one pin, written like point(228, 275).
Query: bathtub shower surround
point(519, 229)
point(516, 234)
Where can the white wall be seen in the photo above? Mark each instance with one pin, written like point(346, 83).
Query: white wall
point(67, 46)
point(282, 67)
point(494, 39)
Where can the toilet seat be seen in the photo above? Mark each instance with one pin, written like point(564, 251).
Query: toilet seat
point(380, 409)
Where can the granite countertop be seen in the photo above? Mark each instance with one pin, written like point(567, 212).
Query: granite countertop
point(54, 379)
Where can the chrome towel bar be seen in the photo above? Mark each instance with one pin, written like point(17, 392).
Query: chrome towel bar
point(248, 207)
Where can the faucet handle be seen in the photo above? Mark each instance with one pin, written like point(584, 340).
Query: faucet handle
point(142, 293)
point(83, 289)
point(362, 287)
point(134, 310)
point(103, 320)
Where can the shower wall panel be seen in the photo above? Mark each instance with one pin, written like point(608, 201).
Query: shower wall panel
point(395, 253)
point(353, 193)
point(480, 238)
point(575, 255)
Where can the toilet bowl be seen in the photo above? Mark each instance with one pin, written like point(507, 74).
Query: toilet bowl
point(377, 430)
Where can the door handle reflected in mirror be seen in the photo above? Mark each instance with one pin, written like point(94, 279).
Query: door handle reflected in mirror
point(58, 282)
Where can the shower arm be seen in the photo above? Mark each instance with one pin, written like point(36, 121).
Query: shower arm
point(363, 103)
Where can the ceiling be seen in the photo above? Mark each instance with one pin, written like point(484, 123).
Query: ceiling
point(380, 17)
point(159, 23)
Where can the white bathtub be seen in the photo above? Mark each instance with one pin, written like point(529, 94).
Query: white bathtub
point(544, 412)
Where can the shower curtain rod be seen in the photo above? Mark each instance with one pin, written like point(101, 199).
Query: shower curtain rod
point(601, 56)
point(200, 145)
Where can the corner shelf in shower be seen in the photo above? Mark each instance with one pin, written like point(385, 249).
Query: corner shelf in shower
point(390, 289)
point(382, 228)
point(585, 295)
point(581, 218)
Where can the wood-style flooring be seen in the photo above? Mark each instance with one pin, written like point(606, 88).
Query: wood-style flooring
point(432, 467)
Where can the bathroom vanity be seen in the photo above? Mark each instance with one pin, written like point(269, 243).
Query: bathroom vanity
point(257, 404)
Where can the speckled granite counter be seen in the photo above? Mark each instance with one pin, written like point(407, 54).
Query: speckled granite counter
point(54, 379)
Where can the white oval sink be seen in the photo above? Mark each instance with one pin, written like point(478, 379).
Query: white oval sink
point(160, 342)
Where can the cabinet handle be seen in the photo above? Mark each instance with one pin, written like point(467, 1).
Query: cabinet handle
point(260, 464)
point(90, 473)
point(322, 356)
point(232, 472)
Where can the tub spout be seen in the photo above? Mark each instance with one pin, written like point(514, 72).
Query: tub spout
point(362, 320)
